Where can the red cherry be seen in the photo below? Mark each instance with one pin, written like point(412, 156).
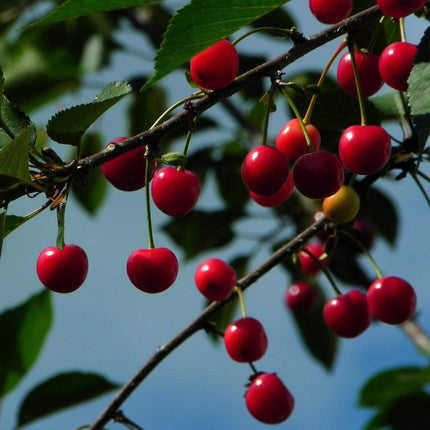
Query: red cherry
point(175, 191)
point(215, 67)
point(291, 140)
point(245, 340)
point(318, 174)
point(300, 296)
point(277, 198)
point(308, 265)
point(215, 279)
point(331, 12)
point(395, 64)
point(268, 400)
point(264, 170)
point(348, 315)
point(368, 73)
point(62, 271)
point(399, 8)
point(364, 149)
point(127, 171)
point(391, 300)
point(152, 270)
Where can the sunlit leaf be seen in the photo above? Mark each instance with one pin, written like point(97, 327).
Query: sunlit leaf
point(200, 24)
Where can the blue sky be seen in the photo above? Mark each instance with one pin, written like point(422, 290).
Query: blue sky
point(109, 327)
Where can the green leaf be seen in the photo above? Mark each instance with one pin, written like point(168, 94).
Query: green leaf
point(12, 222)
point(380, 210)
point(12, 120)
point(69, 125)
point(76, 8)
point(60, 392)
point(22, 332)
point(92, 190)
point(200, 24)
point(14, 156)
point(2, 225)
point(201, 231)
point(386, 387)
point(419, 91)
point(320, 341)
point(389, 106)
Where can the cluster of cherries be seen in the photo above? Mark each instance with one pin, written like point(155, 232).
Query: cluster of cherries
point(270, 173)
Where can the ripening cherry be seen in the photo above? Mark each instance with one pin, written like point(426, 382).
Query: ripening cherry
point(268, 400)
point(368, 73)
point(399, 8)
point(291, 140)
point(318, 174)
point(175, 191)
point(364, 149)
point(331, 12)
point(342, 207)
point(395, 64)
point(62, 271)
point(264, 170)
point(127, 171)
point(215, 67)
point(391, 300)
point(245, 340)
point(348, 315)
point(275, 199)
point(215, 279)
point(152, 270)
point(308, 265)
point(300, 296)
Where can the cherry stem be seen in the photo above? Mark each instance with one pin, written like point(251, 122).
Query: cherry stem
point(365, 251)
point(324, 269)
point(284, 31)
point(402, 29)
point(239, 293)
point(147, 198)
point(268, 111)
point(308, 115)
point(122, 419)
point(61, 211)
point(298, 116)
point(420, 186)
point(198, 95)
point(357, 83)
point(253, 368)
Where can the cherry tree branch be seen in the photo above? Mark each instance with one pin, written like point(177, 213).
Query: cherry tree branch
point(201, 322)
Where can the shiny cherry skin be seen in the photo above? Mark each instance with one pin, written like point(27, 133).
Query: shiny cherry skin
point(368, 73)
point(342, 207)
point(364, 149)
point(395, 64)
point(215, 279)
point(278, 198)
point(152, 270)
point(318, 174)
point(175, 191)
point(291, 140)
point(264, 170)
point(268, 400)
point(245, 340)
point(127, 171)
point(308, 265)
point(300, 296)
point(331, 12)
point(348, 315)
point(391, 300)
point(62, 271)
point(399, 8)
point(215, 67)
